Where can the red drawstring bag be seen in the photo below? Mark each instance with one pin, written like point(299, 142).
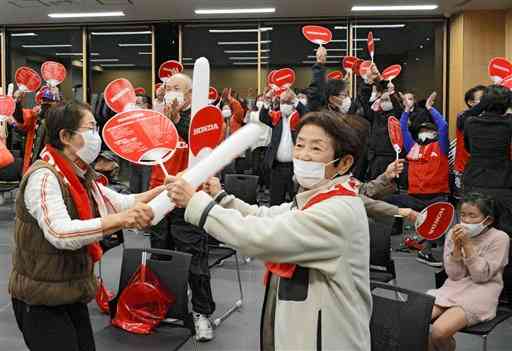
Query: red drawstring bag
point(144, 302)
point(6, 158)
point(103, 297)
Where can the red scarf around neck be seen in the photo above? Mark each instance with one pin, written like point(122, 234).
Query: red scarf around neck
point(77, 191)
point(286, 270)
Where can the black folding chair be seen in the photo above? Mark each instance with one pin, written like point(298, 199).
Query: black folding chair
point(382, 266)
point(399, 324)
point(172, 269)
point(243, 186)
point(503, 312)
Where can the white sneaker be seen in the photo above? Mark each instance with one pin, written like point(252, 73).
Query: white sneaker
point(204, 330)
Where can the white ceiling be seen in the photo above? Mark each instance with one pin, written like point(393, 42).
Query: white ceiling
point(36, 11)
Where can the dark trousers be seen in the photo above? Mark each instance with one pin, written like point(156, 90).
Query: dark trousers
point(417, 203)
point(258, 157)
point(281, 183)
point(66, 327)
point(172, 233)
point(139, 178)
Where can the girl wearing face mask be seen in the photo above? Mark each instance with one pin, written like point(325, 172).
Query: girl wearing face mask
point(315, 246)
point(475, 257)
point(61, 215)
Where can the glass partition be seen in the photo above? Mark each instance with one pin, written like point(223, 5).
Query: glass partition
point(232, 51)
point(32, 47)
point(284, 46)
point(416, 46)
point(118, 52)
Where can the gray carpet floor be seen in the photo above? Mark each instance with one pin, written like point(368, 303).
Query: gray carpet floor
point(239, 332)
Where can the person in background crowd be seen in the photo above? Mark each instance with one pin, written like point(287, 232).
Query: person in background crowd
point(232, 109)
point(61, 214)
point(259, 149)
point(139, 175)
point(472, 99)
point(31, 122)
point(173, 232)
point(380, 150)
point(317, 245)
point(488, 140)
point(428, 168)
point(279, 154)
point(475, 256)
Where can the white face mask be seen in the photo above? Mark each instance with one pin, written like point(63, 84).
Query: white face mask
point(345, 105)
point(303, 101)
point(386, 106)
point(170, 96)
point(286, 109)
point(92, 146)
point(226, 113)
point(475, 229)
point(424, 136)
point(259, 104)
point(309, 174)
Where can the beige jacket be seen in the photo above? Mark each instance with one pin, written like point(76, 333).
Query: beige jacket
point(327, 302)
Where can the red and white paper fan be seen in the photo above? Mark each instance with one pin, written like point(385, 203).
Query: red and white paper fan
point(371, 45)
point(141, 136)
point(283, 78)
point(507, 82)
point(317, 34)
point(364, 69)
point(336, 75)
point(205, 133)
point(357, 67)
point(294, 120)
point(391, 72)
point(435, 220)
point(168, 69)
point(395, 135)
point(120, 95)
point(499, 69)
point(213, 95)
point(7, 106)
point(27, 79)
point(53, 73)
point(349, 62)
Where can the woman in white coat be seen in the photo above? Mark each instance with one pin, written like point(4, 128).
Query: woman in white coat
point(316, 248)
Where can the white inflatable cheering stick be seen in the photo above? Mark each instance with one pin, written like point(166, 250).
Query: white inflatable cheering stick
point(220, 157)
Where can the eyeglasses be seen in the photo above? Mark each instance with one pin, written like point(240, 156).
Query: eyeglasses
point(95, 128)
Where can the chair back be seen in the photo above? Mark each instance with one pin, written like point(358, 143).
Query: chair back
point(380, 245)
point(399, 324)
point(172, 269)
point(243, 186)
